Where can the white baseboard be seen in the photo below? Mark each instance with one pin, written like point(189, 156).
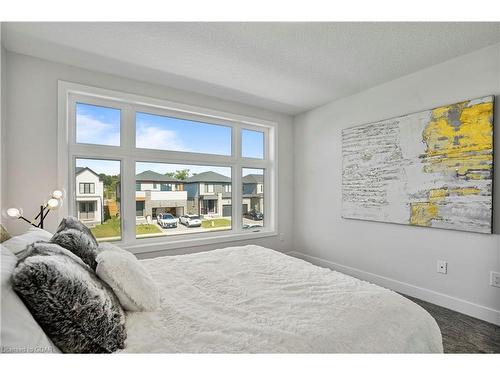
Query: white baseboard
point(466, 307)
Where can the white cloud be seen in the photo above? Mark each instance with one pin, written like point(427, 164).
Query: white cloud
point(156, 138)
point(91, 130)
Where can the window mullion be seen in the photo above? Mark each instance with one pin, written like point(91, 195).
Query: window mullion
point(236, 179)
point(128, 185)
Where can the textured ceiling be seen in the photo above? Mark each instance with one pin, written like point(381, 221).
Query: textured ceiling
point(286, 67)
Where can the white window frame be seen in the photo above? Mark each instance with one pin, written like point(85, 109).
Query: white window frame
point(209, 188)
point(68, 151)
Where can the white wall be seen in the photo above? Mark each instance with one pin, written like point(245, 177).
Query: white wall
point(2, 124)
point(397, 256)
point(31, 132)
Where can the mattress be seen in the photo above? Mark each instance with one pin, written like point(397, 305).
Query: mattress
point(251, 299)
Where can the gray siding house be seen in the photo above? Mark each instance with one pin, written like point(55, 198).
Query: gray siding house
point(253, 193)
point(208, 194)
point(156, 193)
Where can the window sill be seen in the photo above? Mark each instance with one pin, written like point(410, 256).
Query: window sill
point(151, 247)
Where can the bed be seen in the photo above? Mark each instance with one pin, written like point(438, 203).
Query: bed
point(251, 299)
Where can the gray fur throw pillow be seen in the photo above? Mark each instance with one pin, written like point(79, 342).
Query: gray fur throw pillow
point(77, 238)
point(73, 306)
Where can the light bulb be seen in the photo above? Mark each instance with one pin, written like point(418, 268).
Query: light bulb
point(13, 213)
point(52, 203)
point(57, 194)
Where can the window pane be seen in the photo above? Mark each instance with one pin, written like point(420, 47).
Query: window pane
point(181, 199)
point(253, 198)
point(97, 125)
point(98, 198)
point(174, 134)
point(252, 144)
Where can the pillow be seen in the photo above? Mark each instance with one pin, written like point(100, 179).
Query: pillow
point(76, 310)
point(18, 243)
point(19, 332)
point(77, 238)
point(131, 283)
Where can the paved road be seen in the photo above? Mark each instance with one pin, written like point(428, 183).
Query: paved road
point(182, 229)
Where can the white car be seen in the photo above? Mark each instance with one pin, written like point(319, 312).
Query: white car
point(190, 220)
point(166, 221)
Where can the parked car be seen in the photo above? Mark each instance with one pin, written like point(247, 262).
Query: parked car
point(250, 226)
point(254, 215)
point(167, 220)
point(190, 220)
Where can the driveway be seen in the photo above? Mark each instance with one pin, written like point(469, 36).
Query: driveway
point(182, 229)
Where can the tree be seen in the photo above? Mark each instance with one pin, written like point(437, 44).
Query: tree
point(182, 174)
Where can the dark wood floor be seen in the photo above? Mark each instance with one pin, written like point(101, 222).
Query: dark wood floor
point(462, 333)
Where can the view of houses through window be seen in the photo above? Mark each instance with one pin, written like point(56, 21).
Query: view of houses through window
point(182, 199)
point(97, 203)
point(253, 198)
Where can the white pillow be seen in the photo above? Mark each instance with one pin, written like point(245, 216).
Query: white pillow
point(19, 332)
point(131, 283)
point(17, 244)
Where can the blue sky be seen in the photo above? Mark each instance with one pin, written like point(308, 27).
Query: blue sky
point(168, 133)
point(101, 125)
point(252, 144)
point(97, 125)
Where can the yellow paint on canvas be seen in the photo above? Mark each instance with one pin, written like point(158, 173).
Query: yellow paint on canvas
point(463, 147)
point(422, 213)
point(436, 195)
point(466, 191)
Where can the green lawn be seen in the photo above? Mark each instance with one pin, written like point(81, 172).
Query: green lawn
point(111, 228)
point(146, 229)
point(215, 223)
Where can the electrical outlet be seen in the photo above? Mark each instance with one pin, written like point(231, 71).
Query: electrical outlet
point(282, 237)
point(495, 279)
point(442, 266)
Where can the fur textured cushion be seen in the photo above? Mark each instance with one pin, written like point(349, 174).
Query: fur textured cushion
point(130, 281)
point(77, 238)
point(77, 310)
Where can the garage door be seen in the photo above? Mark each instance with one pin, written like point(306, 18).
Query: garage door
point(226, 210)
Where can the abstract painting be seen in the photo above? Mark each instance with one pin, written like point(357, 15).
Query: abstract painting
point(432, 168)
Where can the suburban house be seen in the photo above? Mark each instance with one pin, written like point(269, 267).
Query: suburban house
point(209, 193)
point(89, 196)
point(156, 193)
point(253, 193)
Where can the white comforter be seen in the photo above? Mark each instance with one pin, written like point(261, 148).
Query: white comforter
point(254, 300)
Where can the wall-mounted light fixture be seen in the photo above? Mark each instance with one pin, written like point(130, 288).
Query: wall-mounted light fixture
point(52, 203)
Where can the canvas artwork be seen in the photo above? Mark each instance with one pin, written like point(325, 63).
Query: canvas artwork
point(432, 168)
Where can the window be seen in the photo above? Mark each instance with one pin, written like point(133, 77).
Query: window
point(86, 211)
point(166, 187)
point(97, 204)
point(252, 144)
point(253, 198)
point(97, 125)
point(176, 134)
point(188, 159)
point(87, 188)
point(209, 188)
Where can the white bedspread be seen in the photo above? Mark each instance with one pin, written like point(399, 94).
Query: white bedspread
point(254, 300)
